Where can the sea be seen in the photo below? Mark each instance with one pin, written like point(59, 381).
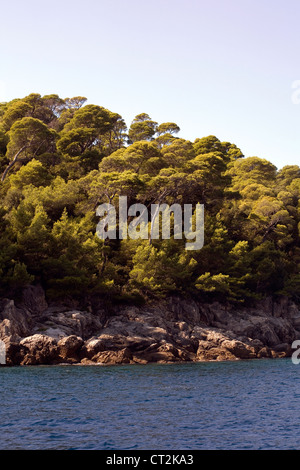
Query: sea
point(238, 405)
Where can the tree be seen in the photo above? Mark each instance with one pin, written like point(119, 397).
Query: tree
point(178, 152)
point(47, 109)
point(161, 270)
point(92, 117)
point(207, 145)
point(16, 110)
point(287, 175)
point(76, 141)
point(271, 221)
point(252, 170)
point(210, 169)
point(71, 105)
point(3, 141)
point(91, 133)
point(28, 138)
point(104, 187)
point(33, 174)
point(167, 128)
point(61, 158)
point(142, 128)
point(142, 157)
point(76, 102)
point(165, 132)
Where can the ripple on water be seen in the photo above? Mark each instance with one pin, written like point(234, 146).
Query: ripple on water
point(230, 405)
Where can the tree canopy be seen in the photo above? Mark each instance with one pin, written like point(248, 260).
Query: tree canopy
point(61, 158)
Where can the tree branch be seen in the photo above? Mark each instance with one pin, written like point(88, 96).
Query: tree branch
point(12, 163)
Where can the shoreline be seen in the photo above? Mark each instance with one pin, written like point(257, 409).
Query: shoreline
point(179, 363)
point(171, 331)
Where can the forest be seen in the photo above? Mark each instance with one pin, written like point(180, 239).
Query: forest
point(61, 158)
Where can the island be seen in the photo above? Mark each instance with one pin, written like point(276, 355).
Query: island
point(202, 263)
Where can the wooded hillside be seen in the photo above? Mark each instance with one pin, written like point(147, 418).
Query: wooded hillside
point(61, 158)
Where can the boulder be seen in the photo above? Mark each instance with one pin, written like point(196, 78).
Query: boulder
point(239, 349)
point(39, 349)
point(69, 348)
point(161, 353)
point(123, 356)
point(208, 351)
point(264, 352)
point(15, 353)
point(170, 330)
point(92, 347)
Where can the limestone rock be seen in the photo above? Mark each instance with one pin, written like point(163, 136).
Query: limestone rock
point(33, 298)
point(123, 356)
point(171, 330)
point(239, 349)
point(14, 322)
point(15, 353)
point(92, 347)
point(39, 349)
point(69, 348)
point(67, 323)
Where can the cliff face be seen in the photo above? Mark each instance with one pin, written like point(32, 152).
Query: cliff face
point(172, 330)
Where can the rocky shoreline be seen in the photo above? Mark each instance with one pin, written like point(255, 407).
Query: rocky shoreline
point(172, 330)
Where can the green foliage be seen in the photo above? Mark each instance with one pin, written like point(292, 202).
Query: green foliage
point(142, 128)
point(161, 269)
point(61, 158)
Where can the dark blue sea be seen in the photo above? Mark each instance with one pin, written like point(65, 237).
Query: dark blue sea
point(216, 405)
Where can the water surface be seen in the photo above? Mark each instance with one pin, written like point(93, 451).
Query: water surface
point(217, 405)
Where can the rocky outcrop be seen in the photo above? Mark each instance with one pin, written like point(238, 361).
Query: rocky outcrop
point(38, 349)
point(173, 330)
point(15, 323)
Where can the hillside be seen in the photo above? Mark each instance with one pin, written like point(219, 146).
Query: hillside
point(61, 158)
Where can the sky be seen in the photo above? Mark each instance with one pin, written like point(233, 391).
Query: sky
point(228, 68)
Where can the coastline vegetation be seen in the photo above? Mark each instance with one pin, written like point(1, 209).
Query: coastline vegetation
point(61, 158)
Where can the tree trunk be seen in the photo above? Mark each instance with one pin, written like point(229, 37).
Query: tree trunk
point(12, 163)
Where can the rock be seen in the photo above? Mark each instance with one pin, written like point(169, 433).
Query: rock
point(220, 345)
point(186, 356)
point(33, 298)
point(164, 353)
point(56, 333)
point(282, 350)
point(69, 348)
point(92, 347)
point(39, 349)
point(239, 350)
point(161, 353)
point(123, 356)
point(171, 330)
point(182, 310)
point(214, 353)
point(15, 353)
point(296, 321)
point(14, 322)
point(87, 362)
point(70, 322)
point(264, 352)
point(283, 347)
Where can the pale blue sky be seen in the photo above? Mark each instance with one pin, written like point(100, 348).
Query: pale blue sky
point(221, 67)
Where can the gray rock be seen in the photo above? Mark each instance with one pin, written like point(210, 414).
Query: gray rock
point(33, 298)
point(15, 323)
point(170, 330)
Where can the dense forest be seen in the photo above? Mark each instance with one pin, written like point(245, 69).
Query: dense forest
point(61, 158)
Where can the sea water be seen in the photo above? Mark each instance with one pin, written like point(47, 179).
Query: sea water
point(211, 405)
